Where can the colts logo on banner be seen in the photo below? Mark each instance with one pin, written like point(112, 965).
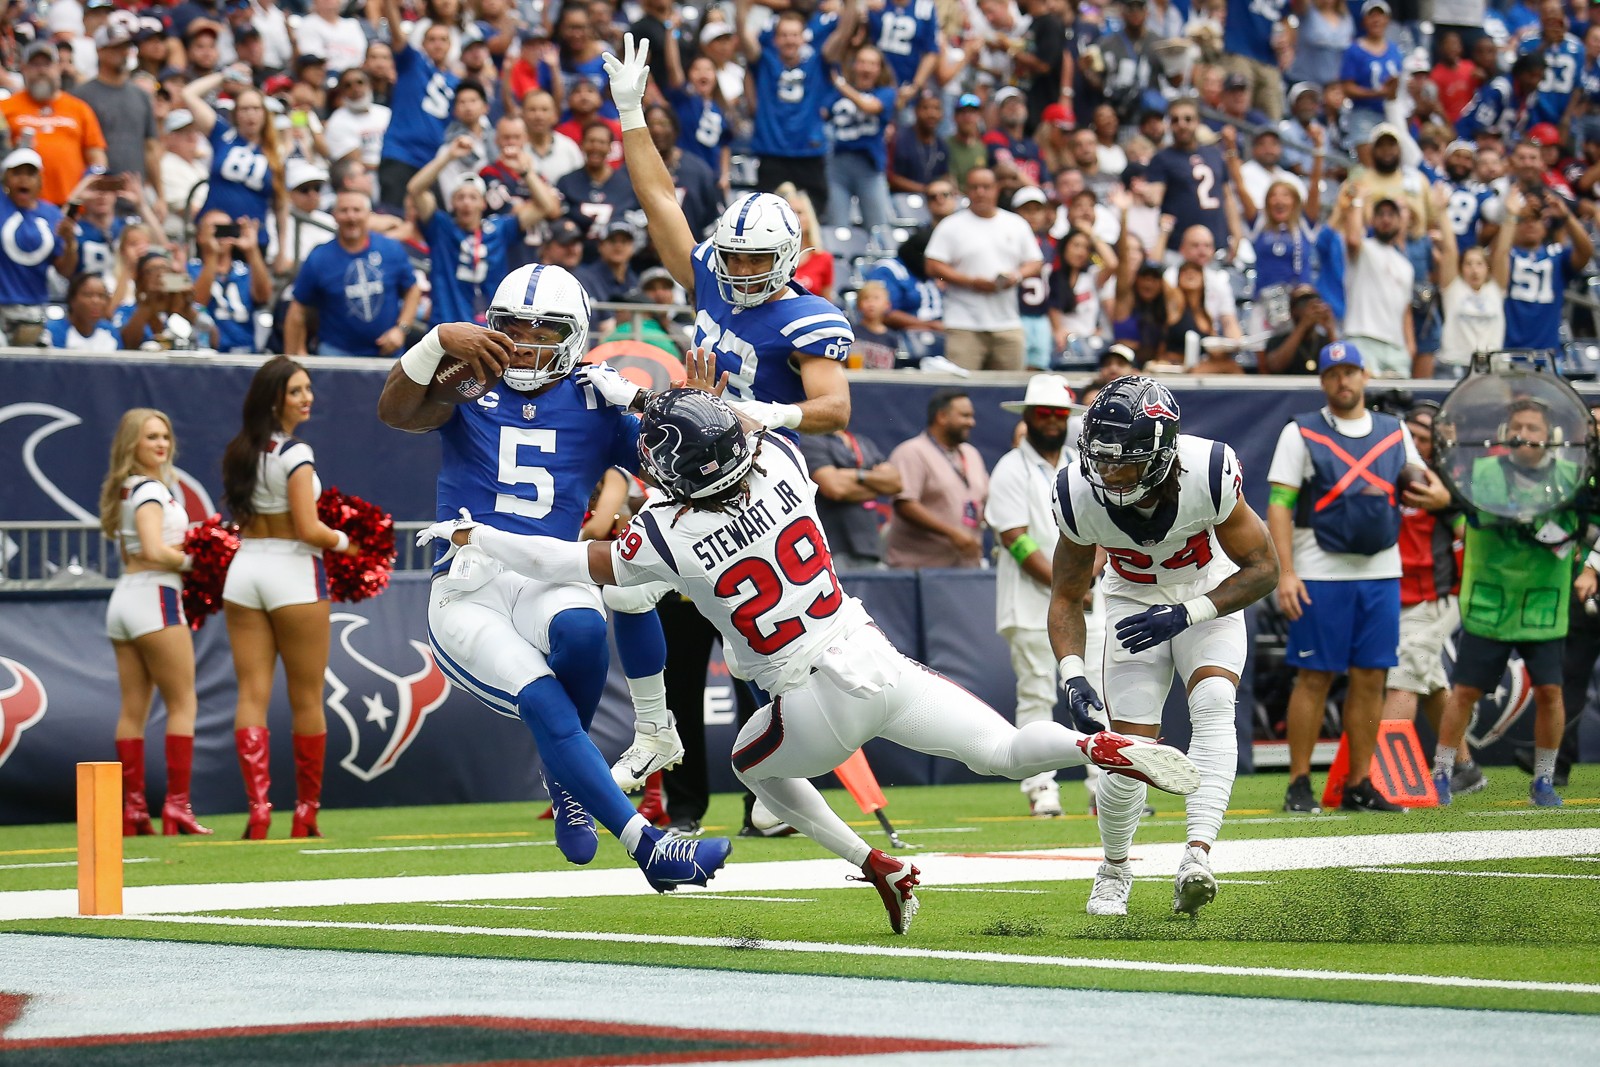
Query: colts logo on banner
point(22, 703)
point(382, 710)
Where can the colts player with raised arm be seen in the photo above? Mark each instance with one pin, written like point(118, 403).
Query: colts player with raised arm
point(1186, 555)
point(525, 440)
point(735, 529)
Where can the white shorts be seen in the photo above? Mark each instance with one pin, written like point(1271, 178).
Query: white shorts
point(269, 573)
point(143, 603)
point(492, 641)
point(1424, 628)
point(635, 599)
point(1136, 686)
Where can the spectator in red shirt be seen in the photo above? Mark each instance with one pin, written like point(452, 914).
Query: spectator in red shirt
point(1456, 76)
point(815, 271)
point(583, 103)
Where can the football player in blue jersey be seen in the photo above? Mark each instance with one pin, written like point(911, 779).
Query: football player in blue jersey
point(523, 457)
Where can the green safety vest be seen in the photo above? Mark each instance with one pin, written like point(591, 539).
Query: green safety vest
point(1512, 587)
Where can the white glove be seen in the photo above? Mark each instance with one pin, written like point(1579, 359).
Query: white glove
point(613, 388)
point(446, 531)
point(771, 416)
point(629, 76)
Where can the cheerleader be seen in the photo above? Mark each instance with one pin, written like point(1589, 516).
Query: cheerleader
point(145, 616)
point(275, 598)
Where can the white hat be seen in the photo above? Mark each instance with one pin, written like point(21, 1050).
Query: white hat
point(1028, 194)
point(179, 119)
point(22, 157)
point(298, 172)
point(711, 31)
point(1045, 391)
point(1005, 93)
point(64, 18)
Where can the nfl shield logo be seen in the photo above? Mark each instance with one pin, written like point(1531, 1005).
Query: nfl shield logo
point(528, 412)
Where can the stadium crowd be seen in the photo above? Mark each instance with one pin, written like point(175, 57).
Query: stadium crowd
point(984, 184)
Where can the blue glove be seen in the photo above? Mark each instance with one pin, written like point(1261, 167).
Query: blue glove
point(1083, 702)
point(1152, 626)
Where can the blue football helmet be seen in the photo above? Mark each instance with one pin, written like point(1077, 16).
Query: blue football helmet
point(692, 445)
point(1129, 441)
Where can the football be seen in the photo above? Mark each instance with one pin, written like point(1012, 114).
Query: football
point(453, 383)
point(1410, 475)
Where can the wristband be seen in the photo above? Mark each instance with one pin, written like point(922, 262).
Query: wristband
point(631, 119)
point(1200, 609)
point(187, 565)
point(342, 542)
point(1283, 496)
point(1022, 548)
point(789, 415)
point(1071, 667)
point(861, 476)
point(423, 358)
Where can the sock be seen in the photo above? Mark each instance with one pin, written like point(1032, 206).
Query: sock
point(797, 802)
point(650, 703)
point(570, 756)
point(632, 834)
point(641, 645)
point(1544, 763)
point(1036, 748)
point(581, 658)
point(1121, 801)
point(1444, 759)
point(1214, 749)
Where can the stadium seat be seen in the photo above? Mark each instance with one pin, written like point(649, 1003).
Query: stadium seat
point(909, 209)
point(847, 242)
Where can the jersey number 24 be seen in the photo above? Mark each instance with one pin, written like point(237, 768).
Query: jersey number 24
point(1132, 565)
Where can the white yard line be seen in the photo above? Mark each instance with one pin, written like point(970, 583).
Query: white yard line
point(938, 869)
point(1474, 874)
point(66, 863)
point(421, 848)
point(494, 907)
point(890, 951)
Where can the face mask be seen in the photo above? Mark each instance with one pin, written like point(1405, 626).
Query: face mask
point(42, 88)
point(359, 103)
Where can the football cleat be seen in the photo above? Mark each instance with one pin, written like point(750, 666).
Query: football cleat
point(669, 860)
point(1543, 793)
point(1044, 796)
point(1112, 884)
point(1469, 778)
point(1299, 796)
point(895, 881)
point(1364, 796)
point(653, 749)
point(1195, 886)
point(1159, 765)
point(1443, 787)
point(576, 836)
point(762, 823)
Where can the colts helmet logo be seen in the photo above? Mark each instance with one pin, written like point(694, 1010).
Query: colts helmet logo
point(1158, 403)
point(22, 703)
point(392, 707)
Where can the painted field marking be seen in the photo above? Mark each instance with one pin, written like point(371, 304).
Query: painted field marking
point(38, 851)
point(943, 830)
point(1569, 800)
point(1542, 813)
point(887, 951)
point(1220, 881)
point(1584, 859)
point(1475, 874)
point(422, 848)
point(64, 863)
point(494, 907)
point(1306, 818)
point(974, 889)
point(438, 837)
point(245, 844)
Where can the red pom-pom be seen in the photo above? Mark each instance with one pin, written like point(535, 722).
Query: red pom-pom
point(371, 530)
point(210, 546)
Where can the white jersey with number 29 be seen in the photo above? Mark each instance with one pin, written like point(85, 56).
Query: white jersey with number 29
point(762, 574)
point(1172, 554)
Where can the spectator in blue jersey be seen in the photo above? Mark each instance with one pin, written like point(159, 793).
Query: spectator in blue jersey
point(1283, 234)
point(162, 294)
point(1370, 74)
point(99, 221)
point(1009, 142)
point(1563, 62)
point(610, 279)
point(468, 252)
point(231, 279)
point(906, 33)
point(361, 287)
point(1251, 37)
point(919, 155)
point(1503, 107)
point(422, 100)
point(1540, 248)
point(34, 236)
point(1189, 181)
point(705, 131)
point(1585, 120)
point(1467, 195)
point(85, 327)
point(698, 190)
point(915, 300)
point(595, 194)
point(246, 159)
point(581, 49)
point(861, 108)
point(791, 83)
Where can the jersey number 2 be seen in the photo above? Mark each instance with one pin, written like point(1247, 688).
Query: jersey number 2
point(799, 570)
point(1196, 553)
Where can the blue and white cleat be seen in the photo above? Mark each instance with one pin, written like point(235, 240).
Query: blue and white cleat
point(669, 860)
point(1543, 793)
point(576, 836)
point(1441, 786)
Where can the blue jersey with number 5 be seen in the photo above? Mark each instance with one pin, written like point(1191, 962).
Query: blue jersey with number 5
point(755, 345)
point(528, 463)
point(422, 99)
point(1535, 297)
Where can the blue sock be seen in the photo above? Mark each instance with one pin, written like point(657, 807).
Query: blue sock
point(641, 645)
point(580, 658)
point(569, 756)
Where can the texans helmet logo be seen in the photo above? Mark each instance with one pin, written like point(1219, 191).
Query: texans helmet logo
point(1159, 405)
point(22, 704)
point(392, 707)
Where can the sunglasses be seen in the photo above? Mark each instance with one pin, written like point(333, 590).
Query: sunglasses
point(1053, 413)
point(310, 187)
point(940, 196)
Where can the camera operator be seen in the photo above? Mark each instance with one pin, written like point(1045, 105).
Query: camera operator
point(164, 299)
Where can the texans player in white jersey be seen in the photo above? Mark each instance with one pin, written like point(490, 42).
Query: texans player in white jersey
point(1187, 554)
point(524, 457)
point(736, 531)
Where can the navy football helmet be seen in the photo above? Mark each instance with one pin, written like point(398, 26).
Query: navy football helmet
point(1129, 441)
point(692, 445)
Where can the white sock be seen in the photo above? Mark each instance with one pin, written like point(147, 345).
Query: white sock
point(1039, 747)
point(1444, 759)
point(1121, 801)
point(1544, 763)
point(797, 802)
point(650, 701)
point(1214, 749)
point(633, 833)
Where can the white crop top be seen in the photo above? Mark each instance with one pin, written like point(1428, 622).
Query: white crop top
point(282, 457)
point(137, 491)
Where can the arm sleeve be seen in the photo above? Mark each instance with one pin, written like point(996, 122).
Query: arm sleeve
point(1288, 458)
point(547, 559)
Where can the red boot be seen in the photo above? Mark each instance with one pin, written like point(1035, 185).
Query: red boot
point(177, 817)
point(135, 812)
point(255, 748)
point(653, 806)
point(310, 751)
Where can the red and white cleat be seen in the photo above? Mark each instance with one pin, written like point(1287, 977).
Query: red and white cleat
point(1160, 765)
point(895, 880)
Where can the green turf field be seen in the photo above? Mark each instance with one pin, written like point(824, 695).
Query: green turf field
point(1470, 922)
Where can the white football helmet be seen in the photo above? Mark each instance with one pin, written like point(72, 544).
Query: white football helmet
point(543, 295)
point(756, 223)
